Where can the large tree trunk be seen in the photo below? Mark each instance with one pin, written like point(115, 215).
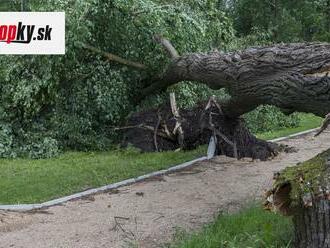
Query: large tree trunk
point(303, 191)
point(293, 77)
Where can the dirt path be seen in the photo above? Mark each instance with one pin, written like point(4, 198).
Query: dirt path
point(147, 214)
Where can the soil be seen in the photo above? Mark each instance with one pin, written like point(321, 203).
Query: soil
point(148, 214)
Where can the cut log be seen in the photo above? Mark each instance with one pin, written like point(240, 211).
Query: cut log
point(303, 192)
point(312, 226)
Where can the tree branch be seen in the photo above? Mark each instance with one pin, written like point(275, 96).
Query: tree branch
point(324, 126)
point(168, 46)
point(113, 57)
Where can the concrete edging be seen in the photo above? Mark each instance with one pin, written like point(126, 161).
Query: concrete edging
point(29, 207)
point(295, 135)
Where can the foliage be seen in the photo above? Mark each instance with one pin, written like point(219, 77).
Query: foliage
point(74, 100)
point(287, 21)
point(269, 118)
point(306, 122)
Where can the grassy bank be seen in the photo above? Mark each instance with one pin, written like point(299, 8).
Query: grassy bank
point(31, 181)
point(252, 227)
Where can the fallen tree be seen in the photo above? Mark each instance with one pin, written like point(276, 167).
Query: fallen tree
point(293, 77)
point(303, 192)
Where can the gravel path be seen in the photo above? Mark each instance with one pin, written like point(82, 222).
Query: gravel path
point(147, 214)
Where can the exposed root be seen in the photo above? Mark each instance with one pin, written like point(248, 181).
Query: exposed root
point(167, 128)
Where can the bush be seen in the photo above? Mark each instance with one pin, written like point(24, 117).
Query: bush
point(6, 142)
point(269, 118)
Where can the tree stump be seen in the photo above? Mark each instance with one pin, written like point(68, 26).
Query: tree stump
point(312, 225)
point(303, 192)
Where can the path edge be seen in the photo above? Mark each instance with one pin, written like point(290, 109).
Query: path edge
point(59, 201)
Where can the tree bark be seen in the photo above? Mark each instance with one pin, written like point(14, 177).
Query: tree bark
point(293, 77)
point(312, 226)
point(303, 192)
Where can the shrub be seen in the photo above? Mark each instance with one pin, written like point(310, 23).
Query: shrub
point(269, 118)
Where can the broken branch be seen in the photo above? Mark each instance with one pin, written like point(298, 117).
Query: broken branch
point(325, 125)
point(156, 130)
point(175, 112)
point(113, 57)
point(167, 45)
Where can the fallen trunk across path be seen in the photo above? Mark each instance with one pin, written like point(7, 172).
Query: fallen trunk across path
point(294, 77)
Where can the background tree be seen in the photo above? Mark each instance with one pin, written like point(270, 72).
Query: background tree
point(287, 21)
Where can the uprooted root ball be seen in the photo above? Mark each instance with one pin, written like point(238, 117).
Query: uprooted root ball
point(160, 130)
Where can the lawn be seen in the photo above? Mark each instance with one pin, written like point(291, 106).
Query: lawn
point(35, 181)
point(251, 227)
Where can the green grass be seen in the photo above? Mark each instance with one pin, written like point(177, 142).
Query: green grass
point(307, 121)
point(32, 181)
point(252, 227)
